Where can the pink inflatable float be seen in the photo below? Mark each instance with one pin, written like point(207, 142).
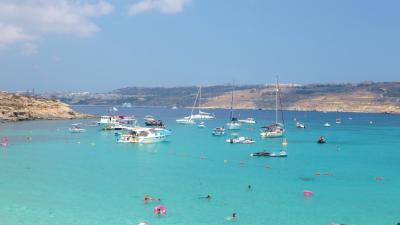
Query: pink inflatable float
point(308, 193)
point(160, 210)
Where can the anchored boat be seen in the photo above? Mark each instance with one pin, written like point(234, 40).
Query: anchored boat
point(277, 129)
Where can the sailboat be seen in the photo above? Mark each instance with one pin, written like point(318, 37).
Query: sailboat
point(233, 123)
point(189, 119)
point(276, 129)
point(201, 115)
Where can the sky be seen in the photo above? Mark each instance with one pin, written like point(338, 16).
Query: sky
point(100, 45)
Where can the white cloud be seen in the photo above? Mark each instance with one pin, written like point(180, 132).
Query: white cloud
point(26, 20)
point(10, 34)
point(29, 49)
point(163, 6)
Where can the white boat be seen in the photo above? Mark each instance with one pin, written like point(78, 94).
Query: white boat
point(186, 120)
point(201, 125)
point(338, 121)
point(233, 123)
point(121, 123)
point(219, 131)
point(300, 125)
point(76, 129)
point(107, 120)
point(248, 120)
point(201, 115)
point(327, 124)
point(276, 129)
point(144, 135)
point(278, 154)
point(240, 140)
point(174, 107)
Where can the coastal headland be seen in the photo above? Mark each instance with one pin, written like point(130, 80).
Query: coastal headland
point(369, 97)
point(15, 107)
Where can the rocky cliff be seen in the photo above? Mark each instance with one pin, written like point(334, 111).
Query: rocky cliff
point(14, 107)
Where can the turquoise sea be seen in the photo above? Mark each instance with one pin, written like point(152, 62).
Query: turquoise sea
point(60, 178)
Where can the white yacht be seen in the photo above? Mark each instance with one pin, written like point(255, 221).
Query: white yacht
point(277, 129)
point(240, 140)
point(201, 115)
point(144, 135)
point(189, 120)
point(233, 123)
point(248, 120)
point(117, 122)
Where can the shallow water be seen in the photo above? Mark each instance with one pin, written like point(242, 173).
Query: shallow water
point(59, 178)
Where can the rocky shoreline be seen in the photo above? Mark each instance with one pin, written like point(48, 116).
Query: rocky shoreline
point(15, 107)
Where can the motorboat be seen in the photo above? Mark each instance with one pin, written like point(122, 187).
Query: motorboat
point(276, 129)
point(201, 125)
point(150, 121)
point(219, 131)
point(327, 124)
point(278, 154)
point(105, 121)
point(186, 120)
point(240, 140)
point(248, 120)
point(300, 125)
point(270, 154)
point(123, 122)
point(272, 131)
point(263, 153)
point(338, 121)
point(144, 135)
point(203, 116)
point(321, 140)
point(76, 129)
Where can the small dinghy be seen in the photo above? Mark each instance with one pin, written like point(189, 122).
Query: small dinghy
point(76, 128)
point(219, 131)
point(263, 153)
point(327, 124)
point(300, 125)
point(270, 154)
point(201, 125)
point(240, 140)
point(321, 140)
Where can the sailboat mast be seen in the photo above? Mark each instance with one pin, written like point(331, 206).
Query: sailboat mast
point(231, 113)
point(194, 104)
point(276, 102)
point(199, 98)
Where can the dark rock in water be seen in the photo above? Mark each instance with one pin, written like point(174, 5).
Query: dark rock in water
point(306, 178)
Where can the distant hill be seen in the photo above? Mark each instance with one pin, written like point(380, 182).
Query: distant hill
point(14, 107)
point(363, 97)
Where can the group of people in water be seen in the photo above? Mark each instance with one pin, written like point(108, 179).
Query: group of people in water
point(160, 210)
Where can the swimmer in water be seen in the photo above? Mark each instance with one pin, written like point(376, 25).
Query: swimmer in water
point(249, 187)
point(233, 217)
point(148, 198)
point(207, 197)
